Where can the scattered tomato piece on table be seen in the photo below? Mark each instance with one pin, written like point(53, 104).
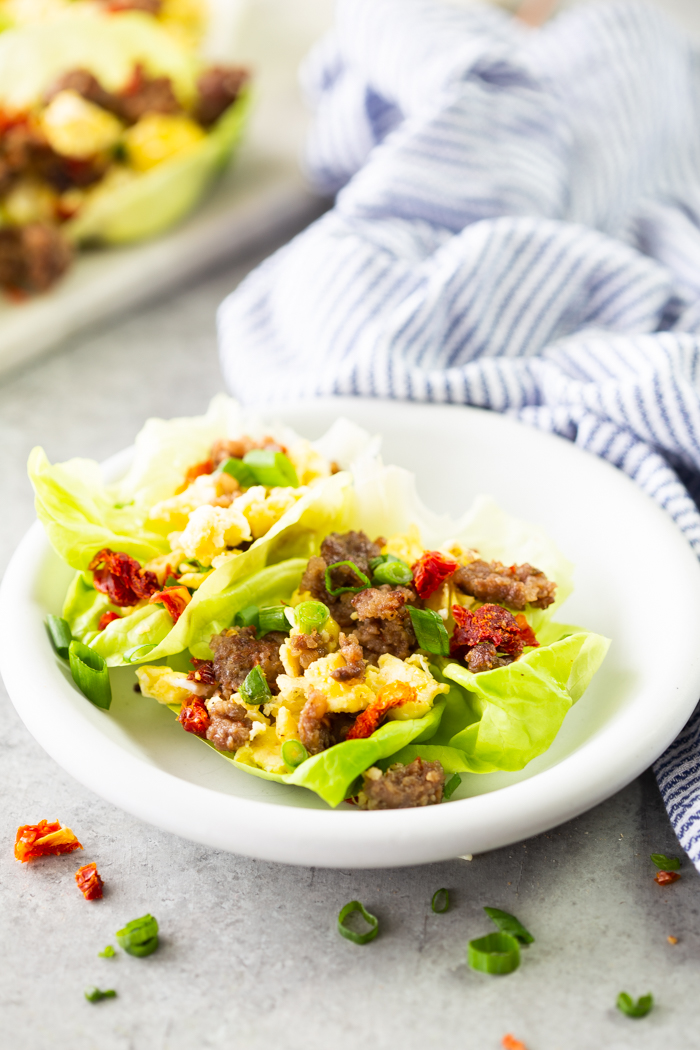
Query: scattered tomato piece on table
point(45, 839)
point(89, 882)
point(665, 878)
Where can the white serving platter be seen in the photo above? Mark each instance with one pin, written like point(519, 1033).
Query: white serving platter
point(137, 757)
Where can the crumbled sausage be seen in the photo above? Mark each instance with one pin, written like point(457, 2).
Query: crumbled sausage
point(32, 257)
point(236, 448)
point(514, 585)
point(349, 546)
point(314, 723)
point(83, 83)
point(144, 94)
point(149, 7)
point(403, 787)
point(237, 651)
point(307, 648)
point(218, 87)
point(384, 625)
point(354, 666)
point(384, 603)
point(484, 657)
point(230, 726)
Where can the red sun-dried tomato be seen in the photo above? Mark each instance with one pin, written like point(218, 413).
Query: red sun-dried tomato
point(107, 618)
point(206, 467)
point(392, 695)
point(665, 878)
point(175, 600)
point(89, 882)
point(121, 578)
point(491, 623)
point(203, 672)
point(430, 572)
point(194, 717)
point(509, 1042)
point(45, 839)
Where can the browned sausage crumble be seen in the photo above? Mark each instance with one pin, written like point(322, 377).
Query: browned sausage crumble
point(237, 651)
point(403, 787)
point(514, 585)
point(230, 726)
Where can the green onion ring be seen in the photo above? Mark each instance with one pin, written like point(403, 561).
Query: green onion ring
point(350, 935)
point(508, 923)
point(107, 953)
point(445, 901)
point(430, 631)
point(272, 618)
point(271, 469)
point(665, 863)
point(236, 468)
point(626, 1004)
point(255, 690)
point(496, 953)
point(96, 995)
point(90, 674)
point(343, 590)
point(294, 753)
point(59, 633)
point(138, 652)
point(140, 936)
point(311, 616)
point(451, 786)
point(393, 571)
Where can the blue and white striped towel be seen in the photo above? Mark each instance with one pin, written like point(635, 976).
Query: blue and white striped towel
point(517, 226)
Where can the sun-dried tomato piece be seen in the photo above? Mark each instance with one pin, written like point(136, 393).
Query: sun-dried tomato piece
point(205, 467)
point(45, 839)
point(430, 572)
point(89, 882)
point(121, 578)
point(392, 695)
point(491, 623)
point(665, 878)
point(106, 618)
point(509, 1042)
point(175, 600)
point(203, 672)
point(194, 717)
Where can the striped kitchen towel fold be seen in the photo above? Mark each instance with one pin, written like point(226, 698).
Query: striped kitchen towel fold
point(517, 226)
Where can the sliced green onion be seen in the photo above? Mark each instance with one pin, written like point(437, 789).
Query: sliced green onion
point(95, 995)
point(626, 1004)
point(272, 618)
point(440, 902)
point(311, 616)
point(508, 923)
point(59, 633)
point(237, 469)
point(345, 931)
point(497, 953)
point(391, 569)
point(108, 952)
point(140, 936)
point(451, 786)
point(430, 631)
point(666, 863)
point(342, 590)
point(138, 652)
point(271, 469)
point(294, 753)
point(247, 617)
point(255, 689)
point(171, 582)
point(90, 674)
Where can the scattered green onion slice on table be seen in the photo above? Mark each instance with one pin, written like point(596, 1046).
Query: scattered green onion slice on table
point(90, 674)
point(271, 469)
point(496, 953)
point(387, 568)
point(59, 633)
point(237, 469)
point(310, 616)
point(254, 689)
point(351, 935)
point(140, 936)
point(96, 995)
point(441, 901)
point(451, 786)
point(107, 953)
point(294, 753)
point(247, 617)
point(508, 923)
point(626, 1004)
point(666, 863)
point(272, 618)
point(342, 590)
point(138, 652)
point(430, 631)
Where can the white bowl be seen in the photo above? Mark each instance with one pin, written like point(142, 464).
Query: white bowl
point(637, 581)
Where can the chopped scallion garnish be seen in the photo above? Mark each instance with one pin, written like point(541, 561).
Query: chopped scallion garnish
point(59, 633)
point(247, 617)
point(451, 786)
point(310, 616)
point(387, 568)
point(626, 1004)
point(95, 995)
point(108, 952)
point(343, 590)
point(441, 901)
point(255, 690)
point(90, 674)
point(237, 469)
point(666, 863)
point(294, 753)
point(171, 581)
point(271, 469)
point(497, 953)
point(140, 936)
point(351, 935)
point(430, 631)
point(508, 923)
point(272, 618)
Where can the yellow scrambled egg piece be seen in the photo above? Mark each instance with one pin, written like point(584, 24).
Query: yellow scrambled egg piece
point(309, 465)
point(75, 127)
point(415, 672)
point(263, 750)
point(407, 546)
point(174, 512)
point(329, 640)
point(210, 530)
point(158, 137)
point(341, 696)
point(166, 686)
point(263, 508)
point(164, 564)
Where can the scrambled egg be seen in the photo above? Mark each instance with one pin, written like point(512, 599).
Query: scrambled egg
point(75, 127)
point(263, 750)
point(406, 546)
point(166, 686)
point(264, 510)
point(415, 672)
point(158, 137)
point(210, 530)
point(290, 661)
point(164, 564)
point(309, 465)
point(175, 511)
